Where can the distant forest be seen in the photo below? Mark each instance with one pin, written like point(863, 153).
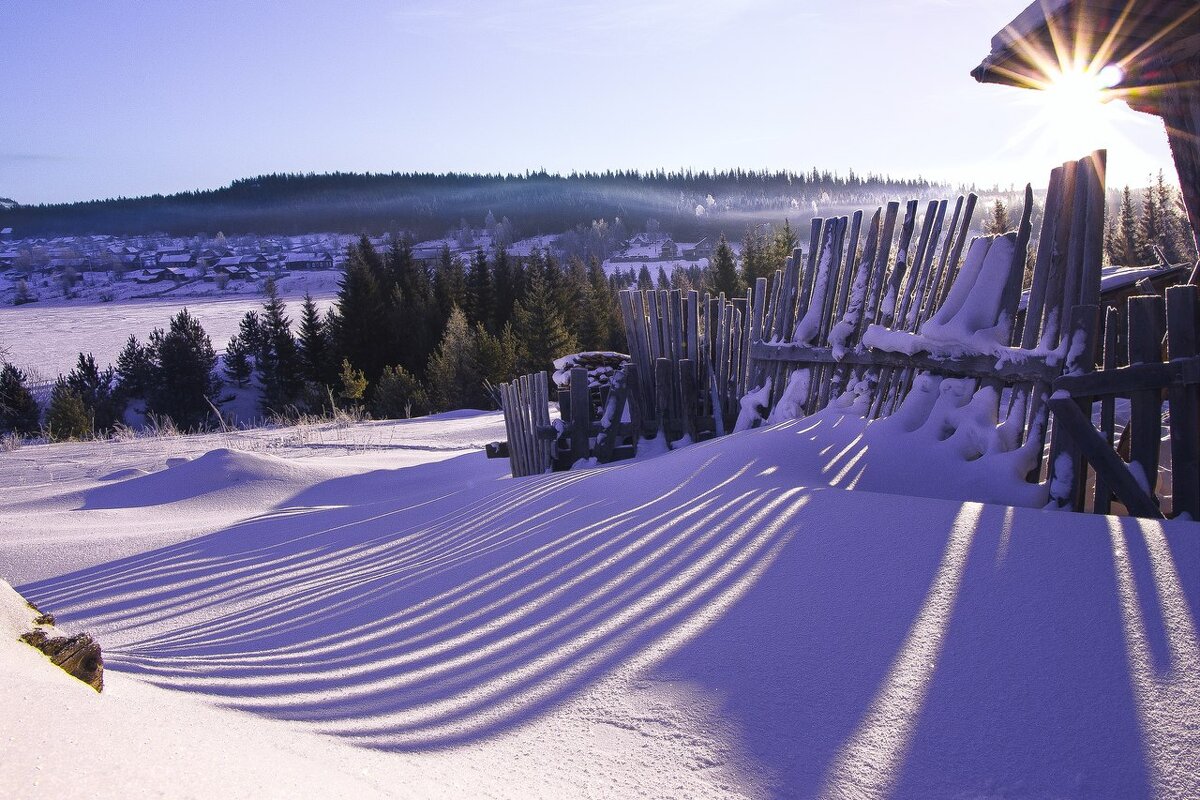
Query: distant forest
point(427, 205)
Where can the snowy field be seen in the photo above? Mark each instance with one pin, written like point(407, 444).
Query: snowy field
point(46, 337)
point(378, 610)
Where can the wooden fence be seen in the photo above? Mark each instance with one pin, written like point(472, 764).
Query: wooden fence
point(690, 356)
point(600, 422)
point(877, 303)
point(1131, 351)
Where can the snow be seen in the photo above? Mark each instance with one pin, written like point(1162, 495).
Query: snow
point(379, 610)
point(47, 337)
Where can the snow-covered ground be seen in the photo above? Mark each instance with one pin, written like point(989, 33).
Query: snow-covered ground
point(46, 337)
point(378, 610)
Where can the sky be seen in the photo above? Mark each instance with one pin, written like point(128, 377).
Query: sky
point(128, 98)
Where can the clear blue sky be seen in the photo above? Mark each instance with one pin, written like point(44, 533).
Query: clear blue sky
point(128, 98)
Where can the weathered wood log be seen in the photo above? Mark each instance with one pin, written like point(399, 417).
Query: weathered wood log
point(1108, 406)
point(78, 655)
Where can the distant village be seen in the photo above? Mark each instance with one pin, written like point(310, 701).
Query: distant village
point(107, 267)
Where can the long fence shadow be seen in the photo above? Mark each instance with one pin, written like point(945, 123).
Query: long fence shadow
point(416, 625)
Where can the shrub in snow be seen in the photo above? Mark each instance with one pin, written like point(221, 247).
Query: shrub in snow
point(399, 395)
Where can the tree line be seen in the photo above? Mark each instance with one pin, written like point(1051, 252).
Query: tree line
point(427, 205)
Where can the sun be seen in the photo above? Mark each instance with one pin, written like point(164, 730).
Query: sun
point(1076, 108)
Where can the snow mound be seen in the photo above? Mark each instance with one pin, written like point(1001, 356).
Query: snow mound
point(225, 474)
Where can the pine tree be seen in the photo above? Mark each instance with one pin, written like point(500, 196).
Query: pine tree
point(353, 383)
point(481, 299)
point(496, 356)
point(782, 246)
point(505, 291)
point(67, 417)
point(95, 388)
point(399, 395)
point(237, 361)
point(1129, 244)
point(454, 379)
point(183, 378)
point(316, 363)
point(18, 409)
point(361, 315)
point(135, 368)
point(1150, 227)
point(724, 275)
point(278, 364)
point(449, 284)
point(997, 221)
point(596, 325)
point(644, 281)
point(538, 326)
point(756, 256)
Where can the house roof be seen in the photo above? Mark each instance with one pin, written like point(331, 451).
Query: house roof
point(1139, 36)
point(181, 258)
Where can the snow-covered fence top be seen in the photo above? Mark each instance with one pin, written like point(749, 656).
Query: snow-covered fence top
point(877, 305)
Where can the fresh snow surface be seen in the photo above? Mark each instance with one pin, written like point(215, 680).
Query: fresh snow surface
point(379, 610)
point(47, 337)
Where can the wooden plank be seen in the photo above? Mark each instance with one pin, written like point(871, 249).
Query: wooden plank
point(1108, 407)
point(662, 384)
point(1080, 359)
point(1103, 459)
point(1134, 378)
point(687, 390)
point(542, 409)
point(1182, 307)
point(509, 429)
point(960, 242)
point(633, 381)
point(581, 414)
point(977, 366)
point(933, 213)
point(1055, 306)
point(879, 271)
point(1041, 270)
point(1146, 317)
point(935, 284)
point(1093, 242)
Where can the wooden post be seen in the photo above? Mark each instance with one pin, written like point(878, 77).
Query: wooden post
point(1146, 322)
point(1184, 403)
point(1082, 358)
point(662, 385)
point(1108, 407)
point(687, 392)
point(581, 414)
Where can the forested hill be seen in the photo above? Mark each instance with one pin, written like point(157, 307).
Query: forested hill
point(428, 204)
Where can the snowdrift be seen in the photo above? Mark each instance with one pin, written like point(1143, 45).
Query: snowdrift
point(716, 622)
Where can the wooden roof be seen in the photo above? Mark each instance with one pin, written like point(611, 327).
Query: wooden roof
point(1142, 37)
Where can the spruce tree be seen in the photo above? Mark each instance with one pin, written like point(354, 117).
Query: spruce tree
point(538, 325)
point(315, 356)
point(278, 364)
point(997, 221)
point(480, 294)
point(724, 272)
point(453, 373)
point(505, 289)
point(135, 368)
point(644, 281)
point(1150, 227)
point(18, 409)
point(782, 245)
point(361, 315)
point(449, 284)
point(596, 326)
point(95, 387)
point(67, 416)
point(237, 361)
point(496, 355)
point(183, 378)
